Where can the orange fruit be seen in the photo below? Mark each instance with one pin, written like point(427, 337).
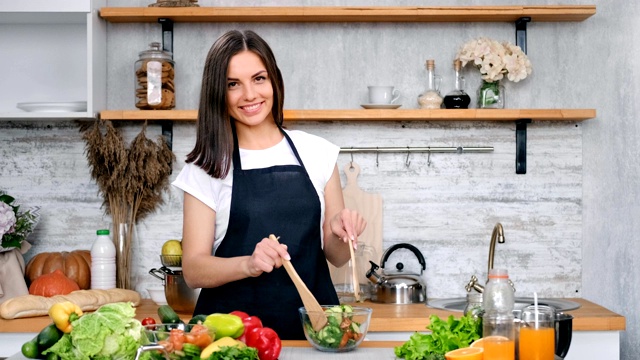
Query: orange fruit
point(470, 353)
point(479, 343)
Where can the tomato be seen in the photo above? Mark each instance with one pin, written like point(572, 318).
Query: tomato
point(148, 321)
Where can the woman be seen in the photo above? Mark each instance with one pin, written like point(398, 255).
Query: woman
point(247, 178)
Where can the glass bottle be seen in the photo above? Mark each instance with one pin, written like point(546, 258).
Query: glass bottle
point(458, 98)
point(431, 98)
point(498, 321)
point(155, 71)
point(103, 262)
point(474, 305)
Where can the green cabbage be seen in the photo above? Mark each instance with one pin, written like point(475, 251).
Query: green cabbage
point(111, 332)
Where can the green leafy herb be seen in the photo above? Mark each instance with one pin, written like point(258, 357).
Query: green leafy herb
point(445, 336)
point(235, 353)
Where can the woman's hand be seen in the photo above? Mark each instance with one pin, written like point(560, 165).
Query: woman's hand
point(348, 224)
point(267, 256)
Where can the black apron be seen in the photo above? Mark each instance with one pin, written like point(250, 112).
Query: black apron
point(279, 200)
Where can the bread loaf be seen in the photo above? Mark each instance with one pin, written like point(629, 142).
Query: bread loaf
point(87, 300)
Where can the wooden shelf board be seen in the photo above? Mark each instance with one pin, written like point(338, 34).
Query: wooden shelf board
point(378, 115)
point(350, 14)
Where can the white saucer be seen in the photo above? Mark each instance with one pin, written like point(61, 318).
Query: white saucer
point(381, 106)
point(53, 106)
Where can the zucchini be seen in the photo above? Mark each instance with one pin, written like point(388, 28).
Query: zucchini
point(47, 337)
point(167, 315)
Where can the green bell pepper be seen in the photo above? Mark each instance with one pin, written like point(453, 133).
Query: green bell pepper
point(225, 325)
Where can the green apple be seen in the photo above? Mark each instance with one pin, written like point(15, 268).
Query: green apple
point(172, 247)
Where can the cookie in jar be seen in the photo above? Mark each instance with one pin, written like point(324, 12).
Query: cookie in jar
point(155, 73)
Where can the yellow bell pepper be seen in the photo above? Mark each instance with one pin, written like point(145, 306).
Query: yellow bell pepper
point(218, 344)
point(63, 314)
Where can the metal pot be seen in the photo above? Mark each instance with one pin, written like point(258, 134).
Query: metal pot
point(179, 295)
point(398, 287)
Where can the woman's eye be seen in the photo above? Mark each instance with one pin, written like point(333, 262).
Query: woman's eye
point(261, 78)
point(232, 84)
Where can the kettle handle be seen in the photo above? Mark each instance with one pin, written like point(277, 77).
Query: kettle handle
point(395, 247)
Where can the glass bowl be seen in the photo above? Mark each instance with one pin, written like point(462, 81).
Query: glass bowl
point(160, 333)
point(346, 327)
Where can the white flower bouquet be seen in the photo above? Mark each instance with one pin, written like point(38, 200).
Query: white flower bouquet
point(495, 59)
point(15, 225)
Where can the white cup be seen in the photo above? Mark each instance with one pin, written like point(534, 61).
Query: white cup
point(383, 95)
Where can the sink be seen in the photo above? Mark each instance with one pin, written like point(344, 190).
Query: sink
point(458, 304)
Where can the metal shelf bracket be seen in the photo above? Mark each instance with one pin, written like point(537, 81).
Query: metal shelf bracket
point(521, 124)
point(521, 145)
point(167, 45)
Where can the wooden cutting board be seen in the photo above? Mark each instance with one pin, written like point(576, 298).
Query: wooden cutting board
point(369, 205)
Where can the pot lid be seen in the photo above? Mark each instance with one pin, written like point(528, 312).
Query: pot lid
point(403, 280)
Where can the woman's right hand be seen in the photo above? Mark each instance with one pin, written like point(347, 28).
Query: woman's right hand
point(267, 256)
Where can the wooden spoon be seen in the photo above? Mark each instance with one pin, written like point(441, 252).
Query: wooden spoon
point(316, 312)
point(354, 273)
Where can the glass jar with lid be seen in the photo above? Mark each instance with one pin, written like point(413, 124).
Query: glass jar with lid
point(155, 71)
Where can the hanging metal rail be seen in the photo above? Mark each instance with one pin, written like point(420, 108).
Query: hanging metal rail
point(427, 149)
point(421, 149)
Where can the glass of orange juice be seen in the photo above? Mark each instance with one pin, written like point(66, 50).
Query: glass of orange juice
point(537, 334)
point(498, 338)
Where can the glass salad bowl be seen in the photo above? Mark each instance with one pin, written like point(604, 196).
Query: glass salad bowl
point(345, 329)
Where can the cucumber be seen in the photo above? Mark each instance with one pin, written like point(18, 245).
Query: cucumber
point(167, 315)
point(191, 350)
point(198, 318)
point(30, 349)
point(48, 336)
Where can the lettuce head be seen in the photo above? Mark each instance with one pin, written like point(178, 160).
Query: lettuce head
point(111, 332)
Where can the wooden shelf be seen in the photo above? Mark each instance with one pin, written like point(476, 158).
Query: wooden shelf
point(378, 115)
point(350, 14)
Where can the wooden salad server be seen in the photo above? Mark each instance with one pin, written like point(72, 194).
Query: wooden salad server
point(354, 273)
point(316, 312)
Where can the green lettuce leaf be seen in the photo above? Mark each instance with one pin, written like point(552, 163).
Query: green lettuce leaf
point(446, 335)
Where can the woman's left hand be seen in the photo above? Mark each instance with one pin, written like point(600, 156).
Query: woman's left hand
point(348, 224)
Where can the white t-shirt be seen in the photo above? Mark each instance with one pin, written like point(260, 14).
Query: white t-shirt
point(318, 155)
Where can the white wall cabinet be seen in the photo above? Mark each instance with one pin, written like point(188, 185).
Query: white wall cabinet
point(53, 56)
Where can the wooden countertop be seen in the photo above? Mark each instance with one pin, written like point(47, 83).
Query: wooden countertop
point(385, 317)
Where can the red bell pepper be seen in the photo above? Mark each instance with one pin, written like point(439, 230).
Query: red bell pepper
point(267, 341)
point(249, 322)
point(240, 314)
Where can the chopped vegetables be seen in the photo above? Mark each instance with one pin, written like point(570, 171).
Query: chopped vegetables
point(341, 330)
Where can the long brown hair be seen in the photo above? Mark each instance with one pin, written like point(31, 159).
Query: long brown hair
point(214, 139)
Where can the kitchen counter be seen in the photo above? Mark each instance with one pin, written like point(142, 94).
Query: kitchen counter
point(596, 331)
point(385, 317)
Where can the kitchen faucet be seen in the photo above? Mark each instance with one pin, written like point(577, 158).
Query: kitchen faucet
point(497, 234)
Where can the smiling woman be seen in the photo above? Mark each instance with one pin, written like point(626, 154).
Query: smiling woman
point(247, 178)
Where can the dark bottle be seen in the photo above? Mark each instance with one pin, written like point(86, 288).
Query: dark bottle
point(457, 99)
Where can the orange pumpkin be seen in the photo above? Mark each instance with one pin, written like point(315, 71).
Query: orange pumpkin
point(76, 265)
point(55, 283)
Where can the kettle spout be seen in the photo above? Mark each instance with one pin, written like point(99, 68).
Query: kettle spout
point(372, 275)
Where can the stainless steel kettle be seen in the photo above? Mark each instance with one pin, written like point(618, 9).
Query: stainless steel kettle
point(398, 287)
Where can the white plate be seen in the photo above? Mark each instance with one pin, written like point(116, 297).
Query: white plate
point(74, 106)
point(381, 106)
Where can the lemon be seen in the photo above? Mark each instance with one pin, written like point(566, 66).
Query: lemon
point(172, 247)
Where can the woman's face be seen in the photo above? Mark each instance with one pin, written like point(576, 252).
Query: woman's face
point(249, 90)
